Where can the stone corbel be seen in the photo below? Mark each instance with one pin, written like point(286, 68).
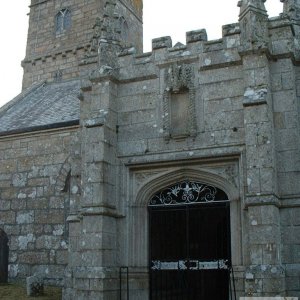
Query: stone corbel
point(255, 96)
point(98, 120)
point(104, 73)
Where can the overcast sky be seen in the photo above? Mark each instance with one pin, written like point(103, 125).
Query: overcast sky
point(161, 18)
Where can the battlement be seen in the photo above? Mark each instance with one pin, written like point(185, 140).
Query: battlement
point(219, 53)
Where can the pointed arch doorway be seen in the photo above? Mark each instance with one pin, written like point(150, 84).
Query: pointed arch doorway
point(189, 235)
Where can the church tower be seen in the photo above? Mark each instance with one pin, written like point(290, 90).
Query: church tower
point(62, 33)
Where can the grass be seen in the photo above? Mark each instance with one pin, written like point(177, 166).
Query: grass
point(14, 291)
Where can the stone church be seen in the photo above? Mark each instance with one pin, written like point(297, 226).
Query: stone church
point(173, 174)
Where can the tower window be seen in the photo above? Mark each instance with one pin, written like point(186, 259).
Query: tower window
point(63, 21)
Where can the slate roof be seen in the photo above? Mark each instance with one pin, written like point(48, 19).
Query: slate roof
point(43, 105)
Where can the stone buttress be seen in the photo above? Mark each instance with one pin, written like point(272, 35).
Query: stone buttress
point(265, 274)
point(93, 268)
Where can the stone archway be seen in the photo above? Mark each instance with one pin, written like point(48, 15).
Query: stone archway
point(4, 251)
point(138, 218)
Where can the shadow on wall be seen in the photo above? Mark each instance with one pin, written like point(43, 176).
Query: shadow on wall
point(4, 249)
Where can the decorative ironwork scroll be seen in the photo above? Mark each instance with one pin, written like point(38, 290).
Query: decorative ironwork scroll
point(221, 264)
point(188, 192)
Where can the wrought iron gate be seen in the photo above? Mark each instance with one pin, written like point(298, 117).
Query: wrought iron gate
point(190, 243)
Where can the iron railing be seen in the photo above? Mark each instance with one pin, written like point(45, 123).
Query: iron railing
point(122, 271)
point(232, 289)
point(125, 271)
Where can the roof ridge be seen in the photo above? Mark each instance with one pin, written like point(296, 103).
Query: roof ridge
point(20, 96)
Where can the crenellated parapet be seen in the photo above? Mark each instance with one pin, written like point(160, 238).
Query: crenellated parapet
point(254, 33)
point(219, 52)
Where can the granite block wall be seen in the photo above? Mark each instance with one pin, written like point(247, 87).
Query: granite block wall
point(35, 200)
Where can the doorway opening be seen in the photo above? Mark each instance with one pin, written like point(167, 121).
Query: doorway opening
point(4, 249)
point(190, 252)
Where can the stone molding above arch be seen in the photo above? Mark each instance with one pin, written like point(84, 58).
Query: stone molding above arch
point(160, 180)
point(146, 182)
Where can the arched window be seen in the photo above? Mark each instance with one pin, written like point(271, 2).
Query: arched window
point(63, 21)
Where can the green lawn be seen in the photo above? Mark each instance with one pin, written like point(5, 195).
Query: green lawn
point(12, 291)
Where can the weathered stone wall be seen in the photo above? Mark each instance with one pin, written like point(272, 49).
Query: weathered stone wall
point(240, 108)
point(290, 225)
point(218, 109)
point(212, 147)
point(285, 86)
point(224, 112)
point(286, 116)
point(35, 200)
point(286, 122)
